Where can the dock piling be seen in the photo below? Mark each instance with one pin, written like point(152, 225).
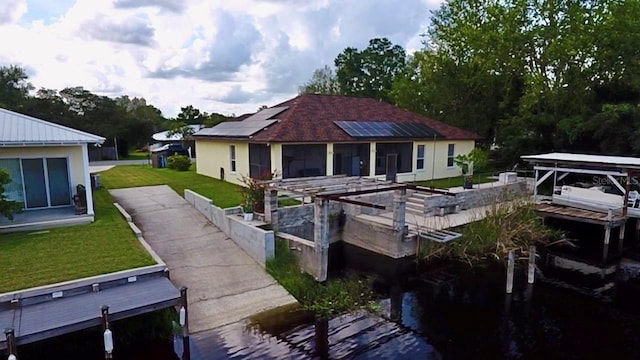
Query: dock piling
point(184, 322)
point(621, 238)
point(11, 344)
point(532, 265)
point(107, 335)
point(510, 267)
point(605, 246)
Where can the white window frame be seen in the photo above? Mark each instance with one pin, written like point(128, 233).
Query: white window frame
point(232, 159)
point(418, 158)
point(451, 156)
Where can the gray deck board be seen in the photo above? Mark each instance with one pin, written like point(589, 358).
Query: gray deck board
point(67, 314)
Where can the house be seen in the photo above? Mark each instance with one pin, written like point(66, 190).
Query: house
point(317, 135)
point(46, 162)
point(162, 139)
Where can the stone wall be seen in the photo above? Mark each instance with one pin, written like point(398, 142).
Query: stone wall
point(474, 198)
point(377, 238)
point(305, 252)
point(256, 242)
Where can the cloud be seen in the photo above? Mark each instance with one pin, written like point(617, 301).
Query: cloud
point(175, 6)
point(12, 10)
point(218, 58)
point(132, 30)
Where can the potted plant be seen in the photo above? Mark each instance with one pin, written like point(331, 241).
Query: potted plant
point(247, 211)
point(468, 162)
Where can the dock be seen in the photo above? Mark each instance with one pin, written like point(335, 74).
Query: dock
point(225, 285)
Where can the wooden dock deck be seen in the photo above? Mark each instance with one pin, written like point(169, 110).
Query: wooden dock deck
point(576, 214)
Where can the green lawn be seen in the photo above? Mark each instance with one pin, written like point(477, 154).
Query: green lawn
point(61, 254)
point(223, 194)
point(137, 155)
point(455, 181)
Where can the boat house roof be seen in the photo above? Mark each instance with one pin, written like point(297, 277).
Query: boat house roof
point(584, 160)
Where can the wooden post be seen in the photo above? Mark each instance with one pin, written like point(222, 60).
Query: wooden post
point(626, 193)
point(12, 349)
point(186, 350)
point(105, 326)
point(621, 237)
point(605, 247)
point(510, 266)
point(532, 265)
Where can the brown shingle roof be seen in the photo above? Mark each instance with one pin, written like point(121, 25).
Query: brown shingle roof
point(310, 118)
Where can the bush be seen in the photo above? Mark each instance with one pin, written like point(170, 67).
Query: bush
point(178, 162)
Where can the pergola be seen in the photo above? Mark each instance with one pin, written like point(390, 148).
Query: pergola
point(340, 188)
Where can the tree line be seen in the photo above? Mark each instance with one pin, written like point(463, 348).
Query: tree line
point(131, 121)
point(527, 75)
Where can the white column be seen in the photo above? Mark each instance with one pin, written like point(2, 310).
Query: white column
point(87, 179)
point(329, 170)
point(372, 159)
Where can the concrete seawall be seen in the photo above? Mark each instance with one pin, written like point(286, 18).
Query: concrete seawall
point(256, 242)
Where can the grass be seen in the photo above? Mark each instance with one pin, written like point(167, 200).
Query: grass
point(137, 155)
point(61, 254)
point(508, 226)
point(455, 181)
point(223, 194)
point(333, 297)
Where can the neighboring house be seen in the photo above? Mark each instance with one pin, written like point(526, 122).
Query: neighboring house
point(46, 161)
point(163, 139)
point(316, 135)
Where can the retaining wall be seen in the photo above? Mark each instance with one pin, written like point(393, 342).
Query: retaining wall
point(257, 243)
point(473, 198)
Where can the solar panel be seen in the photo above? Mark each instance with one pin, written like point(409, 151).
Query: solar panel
point(266, 113)
point(386, 129)
point(235, 128)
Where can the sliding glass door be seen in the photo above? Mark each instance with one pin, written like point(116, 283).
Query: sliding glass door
point(39, 182)
point(35, 185)
point(59, 187)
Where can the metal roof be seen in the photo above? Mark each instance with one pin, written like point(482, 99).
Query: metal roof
point(164, 135)
point(585, 159)
point(21, 130)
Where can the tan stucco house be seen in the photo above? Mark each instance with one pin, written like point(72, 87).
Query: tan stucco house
point(46, 162)
point(316, 135)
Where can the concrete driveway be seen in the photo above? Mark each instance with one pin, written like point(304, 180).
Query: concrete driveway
point(225, 284)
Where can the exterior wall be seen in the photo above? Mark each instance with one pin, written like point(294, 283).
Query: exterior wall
point(213, 155)
point(78, 165)
point(73, 153)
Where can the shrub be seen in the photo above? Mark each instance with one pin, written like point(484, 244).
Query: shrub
point(178, 162)
point(253, 191)
point(7, 207)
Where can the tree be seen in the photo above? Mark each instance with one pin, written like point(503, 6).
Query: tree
point(531, 74)
point(370, 72)
point(323, 81)
point(14, 87)
point(7, 207)
point(190, 115)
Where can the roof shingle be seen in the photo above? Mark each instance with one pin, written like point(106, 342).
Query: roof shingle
point(310, 118)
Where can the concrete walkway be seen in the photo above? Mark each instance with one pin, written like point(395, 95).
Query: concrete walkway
point(225, 284)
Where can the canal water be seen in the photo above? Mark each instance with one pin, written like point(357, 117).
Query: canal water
point(447, 311)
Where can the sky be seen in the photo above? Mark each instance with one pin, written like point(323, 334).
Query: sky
point(225, 56)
